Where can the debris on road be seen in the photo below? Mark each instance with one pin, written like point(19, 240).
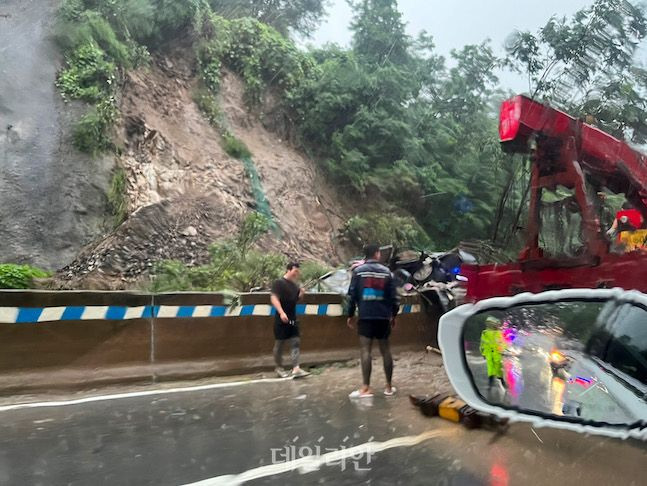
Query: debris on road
point(452, 408)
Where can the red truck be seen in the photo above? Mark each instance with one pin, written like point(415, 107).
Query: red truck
point(574, 165)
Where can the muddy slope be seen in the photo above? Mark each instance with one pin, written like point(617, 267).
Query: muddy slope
point(184, 192)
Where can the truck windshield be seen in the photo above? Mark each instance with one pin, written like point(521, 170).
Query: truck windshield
point(560, 232)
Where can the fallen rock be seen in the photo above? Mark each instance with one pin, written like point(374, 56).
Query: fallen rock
point(190, 231)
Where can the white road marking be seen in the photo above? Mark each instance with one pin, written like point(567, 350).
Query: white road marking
point(144, 393)
point(313, 463)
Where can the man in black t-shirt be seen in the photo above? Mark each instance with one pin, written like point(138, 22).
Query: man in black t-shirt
point(285, 295)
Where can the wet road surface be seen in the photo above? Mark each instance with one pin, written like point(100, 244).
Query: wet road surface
point(529, 381)
point(203, 435)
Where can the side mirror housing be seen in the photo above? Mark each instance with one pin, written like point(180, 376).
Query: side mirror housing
point(571, 359)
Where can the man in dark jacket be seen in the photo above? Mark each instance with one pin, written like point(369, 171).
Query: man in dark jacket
point(373, 292)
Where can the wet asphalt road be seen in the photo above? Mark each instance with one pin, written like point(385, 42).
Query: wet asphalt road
point(529, 382)
point(188, 437)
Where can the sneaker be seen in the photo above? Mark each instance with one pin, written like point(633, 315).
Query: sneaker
point(360, 394)
point(390, 393)
point(281, 373)
point(299, 373)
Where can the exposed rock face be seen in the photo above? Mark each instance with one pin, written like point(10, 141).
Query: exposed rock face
point(52, 198)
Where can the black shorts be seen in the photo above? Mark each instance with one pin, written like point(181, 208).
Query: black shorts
point(374, 328)
point(285, 331)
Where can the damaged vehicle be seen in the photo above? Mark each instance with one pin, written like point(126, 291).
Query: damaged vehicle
point(434, 276)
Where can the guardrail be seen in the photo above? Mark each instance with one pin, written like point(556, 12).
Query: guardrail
point(50, 339)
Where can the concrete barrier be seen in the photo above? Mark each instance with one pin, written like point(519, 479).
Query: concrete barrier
point(61, 329)
point(64, 339)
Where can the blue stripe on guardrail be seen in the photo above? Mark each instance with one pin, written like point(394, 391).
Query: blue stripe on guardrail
point(27, 315)
point(185, 311)
point(116, 313)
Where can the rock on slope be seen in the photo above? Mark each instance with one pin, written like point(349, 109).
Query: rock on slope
point(184, 192)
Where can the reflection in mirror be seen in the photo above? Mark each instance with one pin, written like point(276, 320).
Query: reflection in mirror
point(582, 359)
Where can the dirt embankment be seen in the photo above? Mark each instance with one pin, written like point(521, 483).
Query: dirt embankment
point(184, 192)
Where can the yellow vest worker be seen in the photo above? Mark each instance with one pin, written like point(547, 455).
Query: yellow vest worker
point(492, 347)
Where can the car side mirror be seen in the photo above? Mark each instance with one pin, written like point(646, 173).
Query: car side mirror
point(572, 359)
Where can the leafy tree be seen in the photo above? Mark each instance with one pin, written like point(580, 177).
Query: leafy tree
point(402, 128)
point(298, 16)
point(386, 229)
point(586, 65)
point(379, 35)
point(255, 51)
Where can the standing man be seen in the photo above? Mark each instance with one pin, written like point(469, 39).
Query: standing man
point(373, 291)
point(285, 295)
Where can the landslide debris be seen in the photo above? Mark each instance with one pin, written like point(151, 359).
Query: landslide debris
point(183, 192)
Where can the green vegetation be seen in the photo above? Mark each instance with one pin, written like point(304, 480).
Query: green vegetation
point(235, 147)
point(117, 196)
point(89, 75)
point(100, 40)
point(587, 65)
point(253, 50)
point(209, 107)
point(286, 16)
point(14, 276)
point(92, 132)
point(390, 121)
point(400, 231)
point(311, 271)
point(234, 264)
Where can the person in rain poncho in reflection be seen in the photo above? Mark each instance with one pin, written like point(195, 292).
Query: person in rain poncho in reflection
point(492, 347)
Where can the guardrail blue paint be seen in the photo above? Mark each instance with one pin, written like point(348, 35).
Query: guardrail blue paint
point(116, 313)
point(30, 315)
